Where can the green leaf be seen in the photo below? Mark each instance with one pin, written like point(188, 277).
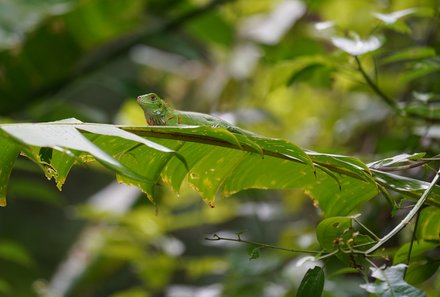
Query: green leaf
point(390, 283)
point(61, 136)
point(420, 271)
point(340, 199)
point(429, 224)
point(312, 283)
point(132, 292)
point(346, 165)
point(15, 253)
point(9, 153)
point(418, 251)
point(254, 253)
point(423, 110)
point(314, 74)
point(421, 69)
point(28, 189)
point(399, 159)
point(337, 233)
point(407, 186)
point(211, 27)
point(213, 160)
point(413, 53)
point(5, 287)
point(421, 266)
point(315, 67)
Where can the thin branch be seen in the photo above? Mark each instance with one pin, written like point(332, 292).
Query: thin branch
point(216, 237)
point(408, 217)
point(366, 229)
point(413, 238)
point(390, 102)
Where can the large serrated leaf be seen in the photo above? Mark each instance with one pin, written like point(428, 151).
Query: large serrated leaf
point(63, 136)
point(214, 160)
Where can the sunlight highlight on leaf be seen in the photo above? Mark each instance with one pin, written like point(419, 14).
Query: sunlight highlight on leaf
point(393, 17)
point(357, 46)
point(59, 136)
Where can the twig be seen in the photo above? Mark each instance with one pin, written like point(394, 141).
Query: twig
point(408, 217)
point(216, 237)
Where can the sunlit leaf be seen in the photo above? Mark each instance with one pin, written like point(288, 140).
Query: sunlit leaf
point(420, 271)
point(343, 164)
point(408, 186)
point(399, 159)
point(390, 283)
point(338, 199)
point(213, 160)
point(64, 136)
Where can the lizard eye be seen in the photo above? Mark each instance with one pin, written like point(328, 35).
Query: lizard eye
point(153, 98)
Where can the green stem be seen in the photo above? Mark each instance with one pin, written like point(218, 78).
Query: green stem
point(390, 102)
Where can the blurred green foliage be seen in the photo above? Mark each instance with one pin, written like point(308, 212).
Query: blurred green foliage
point(271, 67)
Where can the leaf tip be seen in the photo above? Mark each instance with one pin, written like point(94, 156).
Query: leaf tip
point(3, 202)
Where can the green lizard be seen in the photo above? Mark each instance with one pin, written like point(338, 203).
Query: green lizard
point(159, 113)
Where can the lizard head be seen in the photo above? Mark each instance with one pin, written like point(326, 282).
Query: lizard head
point(152, 104)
